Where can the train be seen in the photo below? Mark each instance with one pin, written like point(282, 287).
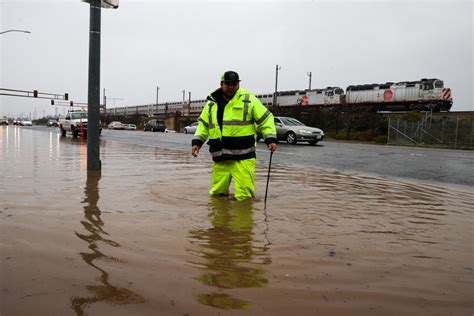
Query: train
point(421, 95)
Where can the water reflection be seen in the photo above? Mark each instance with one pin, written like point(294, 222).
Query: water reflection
point(227, 253)
point(103, 292)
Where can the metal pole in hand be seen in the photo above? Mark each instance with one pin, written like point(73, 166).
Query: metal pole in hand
point(268, 180)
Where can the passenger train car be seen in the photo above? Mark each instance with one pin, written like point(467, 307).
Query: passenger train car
point(422, 95)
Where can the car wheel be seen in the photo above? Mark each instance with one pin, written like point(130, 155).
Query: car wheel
point(75, 132)
point(291, 138)
point(63, 131)
point(185, 131)
point(152, 129)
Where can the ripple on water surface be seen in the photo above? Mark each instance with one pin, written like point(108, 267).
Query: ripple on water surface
point(145, 234)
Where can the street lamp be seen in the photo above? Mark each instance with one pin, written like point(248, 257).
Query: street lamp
point(309, 75)
point(276, 86)
point(157, 92)
point(20, 31)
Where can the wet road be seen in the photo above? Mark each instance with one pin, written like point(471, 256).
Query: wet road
point(434, 165)
point(144, 238)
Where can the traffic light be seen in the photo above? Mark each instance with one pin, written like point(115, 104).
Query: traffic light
point(52, 102)
point(71, 103)
point(66, 96)
point(35, 93)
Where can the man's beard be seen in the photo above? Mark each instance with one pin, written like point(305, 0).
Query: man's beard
point(228, 96)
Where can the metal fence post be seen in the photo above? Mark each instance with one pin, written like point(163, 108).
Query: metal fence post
point(456, 135)
point(442, 132)
point(388, 132)
point(421, 132)
point(472, 133)
point(398, 123)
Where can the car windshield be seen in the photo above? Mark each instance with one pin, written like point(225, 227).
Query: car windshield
point(78, 115)
point(290, 121)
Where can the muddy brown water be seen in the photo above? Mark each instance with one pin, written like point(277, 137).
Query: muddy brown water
point(144, 238)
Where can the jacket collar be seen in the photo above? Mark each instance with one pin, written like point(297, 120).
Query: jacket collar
point(213, 96)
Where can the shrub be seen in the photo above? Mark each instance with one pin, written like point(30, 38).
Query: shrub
point(382, 139)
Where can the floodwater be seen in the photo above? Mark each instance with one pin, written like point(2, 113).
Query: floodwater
point(144, 238)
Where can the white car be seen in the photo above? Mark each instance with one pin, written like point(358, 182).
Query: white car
point(116, 125)
point(26, 123)
point(130, 127)
point(292, 131)
point(191, 129)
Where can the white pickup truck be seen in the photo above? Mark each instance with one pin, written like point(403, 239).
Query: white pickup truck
point(72, 123)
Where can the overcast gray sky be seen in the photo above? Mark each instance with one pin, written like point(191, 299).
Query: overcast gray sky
point(186, 45)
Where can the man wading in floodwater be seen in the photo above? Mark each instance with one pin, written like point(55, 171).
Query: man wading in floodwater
point(228, 120)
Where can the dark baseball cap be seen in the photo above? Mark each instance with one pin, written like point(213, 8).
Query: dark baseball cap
point(230, 76)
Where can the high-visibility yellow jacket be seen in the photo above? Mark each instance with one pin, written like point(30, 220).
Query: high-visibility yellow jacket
point(236, 138)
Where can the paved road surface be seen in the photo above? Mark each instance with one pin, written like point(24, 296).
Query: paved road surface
point(433, 165)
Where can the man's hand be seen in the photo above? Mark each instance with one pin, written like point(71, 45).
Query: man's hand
point(195, 151)
point(272, 147)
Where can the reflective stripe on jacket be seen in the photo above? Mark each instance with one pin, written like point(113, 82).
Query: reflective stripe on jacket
point(238, 137)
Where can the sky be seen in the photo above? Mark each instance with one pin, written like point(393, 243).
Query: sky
point(187, 45)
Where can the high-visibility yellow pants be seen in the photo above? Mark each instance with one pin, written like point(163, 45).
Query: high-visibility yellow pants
point(241, 171)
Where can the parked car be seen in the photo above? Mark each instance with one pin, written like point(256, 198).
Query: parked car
point(26, 123)
point(4, 121)
point(116, 125)
point(53, 123)
point(131, 127)
point(292, 131)
point(191, 129)
point(155, 126)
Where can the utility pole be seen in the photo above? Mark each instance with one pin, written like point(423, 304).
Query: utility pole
point(275, 97)
point(189, 105)
point(105, 111)
point(184, 92)
point(157, 93)
point(93, 145)
point(309, 75)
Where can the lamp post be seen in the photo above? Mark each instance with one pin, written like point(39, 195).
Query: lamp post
point(309, 75)
point(157, 93)
point(93, 100)
point(20, 31)
point(276, 86)
point(189, 105)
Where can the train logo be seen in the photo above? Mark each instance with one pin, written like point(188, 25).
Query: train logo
point(388, 95)
point(303, 100)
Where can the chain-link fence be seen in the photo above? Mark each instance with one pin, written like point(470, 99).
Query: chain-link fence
point(437, 132)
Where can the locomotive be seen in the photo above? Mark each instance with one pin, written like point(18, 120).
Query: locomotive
point(421, 95)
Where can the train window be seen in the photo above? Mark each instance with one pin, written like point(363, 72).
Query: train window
point(410, 85)
point(427, 86)
point(330, 93)
point(339, 91)
point(319, 92)
point(439, 84)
